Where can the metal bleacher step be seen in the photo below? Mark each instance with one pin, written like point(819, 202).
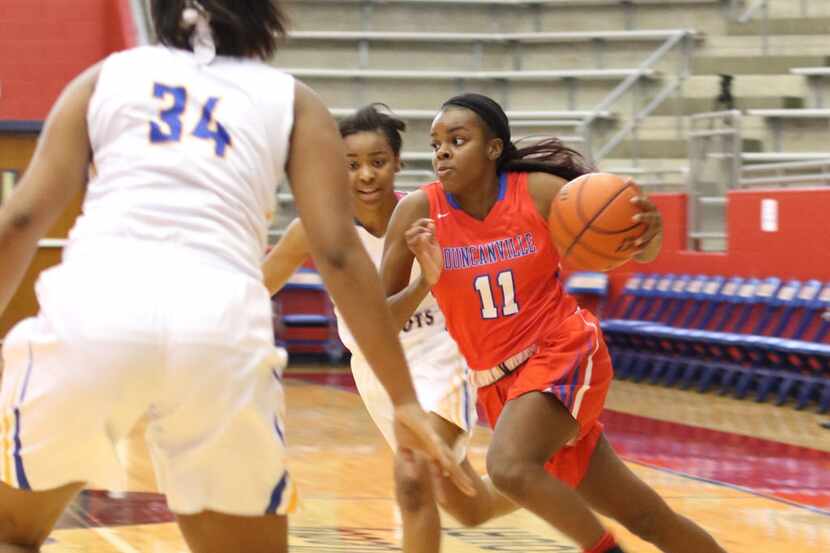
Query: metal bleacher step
point(692, 105)
point(668, 148)
point(782, 26)
point(754, 64)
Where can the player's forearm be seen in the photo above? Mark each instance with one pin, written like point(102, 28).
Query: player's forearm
point(18, 242)
point(355, 287)
point(403, 304)
point(277, 273)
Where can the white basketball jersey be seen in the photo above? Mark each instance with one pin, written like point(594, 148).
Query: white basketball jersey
point(187, 154)
point(427, 319)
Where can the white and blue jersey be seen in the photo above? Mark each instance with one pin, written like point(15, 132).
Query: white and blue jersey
point(187, 155)
point(439, 372)
point(158, 311)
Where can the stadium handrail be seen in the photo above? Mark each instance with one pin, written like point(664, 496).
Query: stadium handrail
point(520, 3)
point(788, 165)
point(513, 115)
point(531, 75)
point(821, 71)
point(790, 113)
point(538, 37)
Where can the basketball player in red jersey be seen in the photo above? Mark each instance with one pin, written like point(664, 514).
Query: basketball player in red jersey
point(542, 369)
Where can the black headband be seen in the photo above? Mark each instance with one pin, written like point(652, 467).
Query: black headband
point(489, 111)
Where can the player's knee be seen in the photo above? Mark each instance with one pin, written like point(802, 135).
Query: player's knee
point(413, 494)
point(412, 486)
point(510, 476)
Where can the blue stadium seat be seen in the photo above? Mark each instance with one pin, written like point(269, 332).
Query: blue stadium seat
point(805, 363)
point(722, 300)
point(765, 351)
point(743, 334)
point(308, 316)
point(656, 294)
point(771, 325)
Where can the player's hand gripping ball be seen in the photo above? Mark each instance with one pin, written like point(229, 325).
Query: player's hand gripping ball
point(599, 221)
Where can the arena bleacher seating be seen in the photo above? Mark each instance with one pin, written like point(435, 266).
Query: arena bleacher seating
point(744, 335)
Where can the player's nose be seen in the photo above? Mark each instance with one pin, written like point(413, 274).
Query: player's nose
point(443, 152)
point(366, 174)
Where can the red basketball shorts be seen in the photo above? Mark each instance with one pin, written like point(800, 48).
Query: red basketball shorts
point(573, 364)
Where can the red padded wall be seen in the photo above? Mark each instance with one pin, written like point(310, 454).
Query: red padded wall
point(799, 249)
point(45, 43)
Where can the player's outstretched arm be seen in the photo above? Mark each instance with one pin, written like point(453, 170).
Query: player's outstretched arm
point(285, 257)
point(56, 175)
point(396, 267)
point(317, 172)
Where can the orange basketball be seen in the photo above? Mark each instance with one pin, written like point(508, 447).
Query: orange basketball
point(591, 221)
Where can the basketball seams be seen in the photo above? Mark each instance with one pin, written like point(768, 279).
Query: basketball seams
point(599, 254)
point(581, 212)
point(596, 215)
point(559, 219)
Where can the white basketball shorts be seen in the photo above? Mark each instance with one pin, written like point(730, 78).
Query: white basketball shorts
point(441, 379)
point(190, 351)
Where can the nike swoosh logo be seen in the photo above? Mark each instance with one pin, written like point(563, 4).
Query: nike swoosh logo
point(442, 215)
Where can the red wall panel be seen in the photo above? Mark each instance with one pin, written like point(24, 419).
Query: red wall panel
point(45, 43)
point(799, 249)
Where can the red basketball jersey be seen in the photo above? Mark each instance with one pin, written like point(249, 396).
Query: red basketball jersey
point(499, 287)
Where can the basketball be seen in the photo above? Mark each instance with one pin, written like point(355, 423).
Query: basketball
point(591, 221)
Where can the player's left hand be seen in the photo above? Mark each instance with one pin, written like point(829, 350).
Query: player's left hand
point(648, 245)
point(414, 432)
point(420, 238)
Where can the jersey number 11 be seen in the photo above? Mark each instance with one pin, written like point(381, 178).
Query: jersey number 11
point(485, 295)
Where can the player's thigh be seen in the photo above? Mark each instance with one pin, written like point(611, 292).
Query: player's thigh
point(517, 437)
point(212, 532)
point(442, 381)
point(27, 518)
point(221, 446)
point(62, 406)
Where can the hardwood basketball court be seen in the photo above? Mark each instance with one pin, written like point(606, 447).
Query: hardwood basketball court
point(756, 476)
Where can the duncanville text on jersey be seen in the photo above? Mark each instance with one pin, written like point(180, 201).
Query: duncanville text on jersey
point(463, 257)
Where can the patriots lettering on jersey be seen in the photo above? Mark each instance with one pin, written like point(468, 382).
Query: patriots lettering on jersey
point(464, 257)
point(419, 320)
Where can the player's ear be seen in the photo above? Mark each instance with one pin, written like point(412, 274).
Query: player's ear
point(495, 146)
